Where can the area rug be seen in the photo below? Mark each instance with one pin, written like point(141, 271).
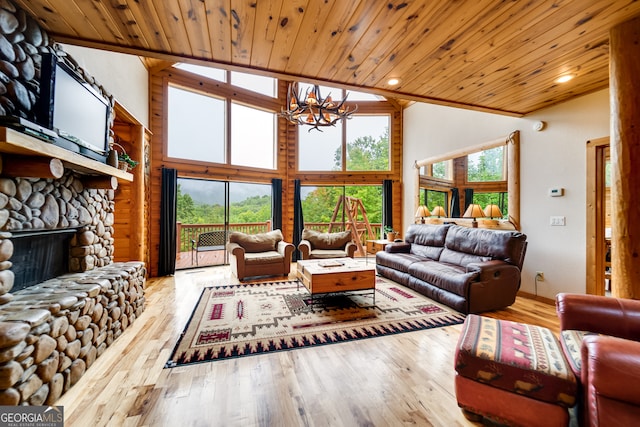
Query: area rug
point(250, 319)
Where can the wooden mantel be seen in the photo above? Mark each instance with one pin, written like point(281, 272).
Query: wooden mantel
point(15, 142)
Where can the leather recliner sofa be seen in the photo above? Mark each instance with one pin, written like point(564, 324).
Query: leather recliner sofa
point(600, 339)
point(469, 269)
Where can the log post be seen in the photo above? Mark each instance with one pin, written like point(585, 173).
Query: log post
point(625, 158)
point(31, 167)
point(100, 182)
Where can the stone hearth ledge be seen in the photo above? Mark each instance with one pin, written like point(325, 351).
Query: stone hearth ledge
point(52, 332)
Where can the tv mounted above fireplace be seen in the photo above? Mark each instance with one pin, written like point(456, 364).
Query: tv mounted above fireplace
point(72, 108)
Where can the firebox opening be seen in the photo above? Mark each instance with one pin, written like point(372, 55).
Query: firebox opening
point(39, 256)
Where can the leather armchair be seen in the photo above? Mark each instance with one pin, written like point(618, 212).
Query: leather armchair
point(610, 368)
point(262, 254)
point(316, 245)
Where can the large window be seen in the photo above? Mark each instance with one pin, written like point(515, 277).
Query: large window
point(196, 126)
point(253, 134)
point(327, 207)
point(214, 127)
point(487, 165)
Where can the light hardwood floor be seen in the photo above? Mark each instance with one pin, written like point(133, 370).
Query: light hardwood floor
point(404, 379)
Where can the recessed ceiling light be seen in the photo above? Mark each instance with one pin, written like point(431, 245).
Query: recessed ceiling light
point(393, 81)
point(565, 78)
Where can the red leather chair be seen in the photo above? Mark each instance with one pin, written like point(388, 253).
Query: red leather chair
point(608, 364)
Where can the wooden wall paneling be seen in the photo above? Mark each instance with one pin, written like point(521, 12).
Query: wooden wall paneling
point(219, 29)
point(68, 15)
point(316, 16)
point(290, 19)
point(146, 18)
point(416, 24)
point(114, 29)
point(195, 12)
point(480, 58)
point(342, 30)
point(242, 17)
point(265, 13)
point(384, 28)
point(426, 70)
point(551, 36)
point(155, 178)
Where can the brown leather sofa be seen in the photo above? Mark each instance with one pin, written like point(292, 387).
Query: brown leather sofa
point(469, 269)
point(262, 254)
point(316, 245)
point(607, 360)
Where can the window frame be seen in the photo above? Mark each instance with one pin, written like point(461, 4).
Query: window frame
point(209, 87)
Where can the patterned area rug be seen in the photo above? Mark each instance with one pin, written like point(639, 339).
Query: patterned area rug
point(248, 319)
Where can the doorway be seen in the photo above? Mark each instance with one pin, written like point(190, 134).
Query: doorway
point(598, 217)
point(217, 207)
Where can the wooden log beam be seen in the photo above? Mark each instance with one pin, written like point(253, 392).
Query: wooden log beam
point(624, 85)
point(100, 182)
point(31, 166)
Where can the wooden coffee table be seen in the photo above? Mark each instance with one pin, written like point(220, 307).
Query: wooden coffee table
point(326, 276)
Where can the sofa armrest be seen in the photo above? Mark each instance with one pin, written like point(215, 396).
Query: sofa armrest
point(612, 368)
point(618, 317)
point(305, 248)
point(400, 247)
point(285, 249)
point(350, 248)
point(235, 250)
point(489, 269)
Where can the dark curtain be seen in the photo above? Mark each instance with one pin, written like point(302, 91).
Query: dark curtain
point(455, 204)
point(468, 197)
point(298, 220)
point(167, 259)
point(276, 204)
point(387, 204)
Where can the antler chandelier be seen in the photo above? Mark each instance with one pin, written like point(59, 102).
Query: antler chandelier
point(313, 109)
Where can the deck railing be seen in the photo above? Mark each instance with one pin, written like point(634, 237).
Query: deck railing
point(188, 232)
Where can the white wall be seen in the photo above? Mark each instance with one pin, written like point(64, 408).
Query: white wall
point(124, 76)
point(554, 157)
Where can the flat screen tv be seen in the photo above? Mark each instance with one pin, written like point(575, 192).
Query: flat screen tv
point(72, 108)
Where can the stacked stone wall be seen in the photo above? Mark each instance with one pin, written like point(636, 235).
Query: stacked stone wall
point(51, 333)
point(36, 204)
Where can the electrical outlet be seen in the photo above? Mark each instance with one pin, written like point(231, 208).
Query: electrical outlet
point(539, 276)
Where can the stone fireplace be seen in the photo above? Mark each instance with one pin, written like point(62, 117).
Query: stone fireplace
point(53, 330)
point(54, 321)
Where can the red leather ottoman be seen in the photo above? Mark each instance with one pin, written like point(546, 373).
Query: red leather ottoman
point(512, 373)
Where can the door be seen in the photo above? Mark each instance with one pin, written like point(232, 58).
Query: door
point(209, 210)
point(598, 215)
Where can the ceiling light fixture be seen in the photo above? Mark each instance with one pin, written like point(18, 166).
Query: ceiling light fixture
point(313, 109)
point(565, 78)
point(393, 81)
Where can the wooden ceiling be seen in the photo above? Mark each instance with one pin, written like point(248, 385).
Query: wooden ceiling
point(500, 56)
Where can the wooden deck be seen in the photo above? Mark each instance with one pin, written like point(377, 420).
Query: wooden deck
point(185, 260)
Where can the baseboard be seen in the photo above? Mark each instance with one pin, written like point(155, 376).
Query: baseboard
point(536, 298)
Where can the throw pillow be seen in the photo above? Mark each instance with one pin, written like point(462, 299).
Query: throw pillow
point(261, 242)
point(327, 240)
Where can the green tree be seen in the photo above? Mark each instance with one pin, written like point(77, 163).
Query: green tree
point(489, 166)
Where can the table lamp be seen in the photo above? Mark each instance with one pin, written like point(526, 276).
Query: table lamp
point(422, 212)
point(473, 211)
point(438, 211)
point(492, 211)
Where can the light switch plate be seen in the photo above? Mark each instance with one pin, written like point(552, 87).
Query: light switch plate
point(557, 220)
